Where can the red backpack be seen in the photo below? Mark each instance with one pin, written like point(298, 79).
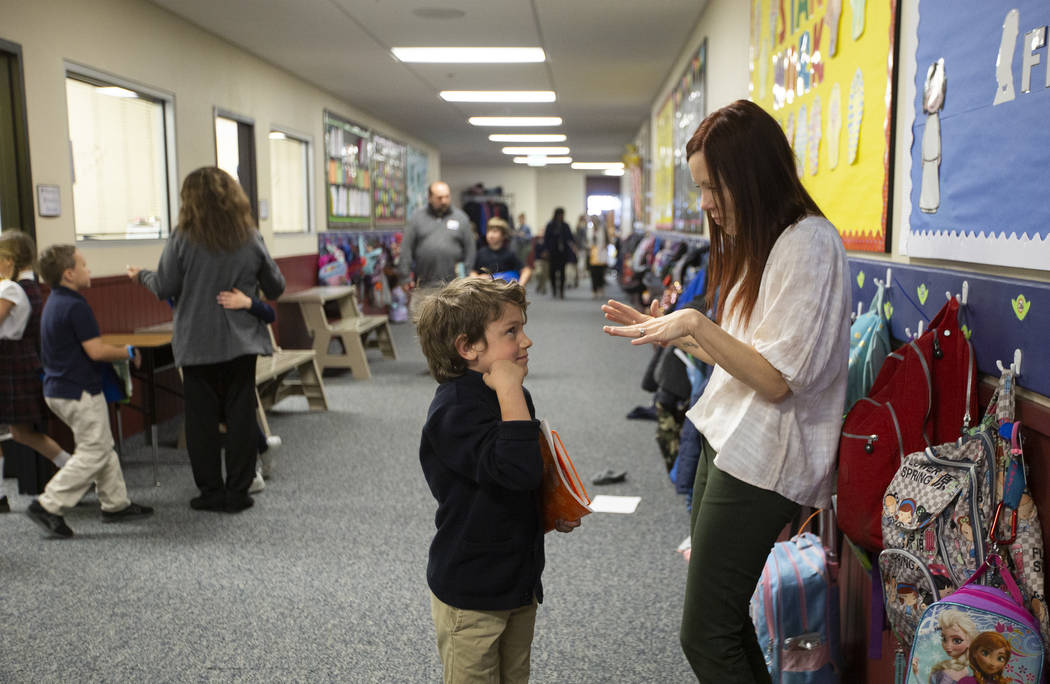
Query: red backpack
point(925, 394)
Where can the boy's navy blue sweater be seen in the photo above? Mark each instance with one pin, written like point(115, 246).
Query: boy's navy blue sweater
point(485, 474)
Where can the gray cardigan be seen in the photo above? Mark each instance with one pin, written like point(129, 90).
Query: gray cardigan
point(193, 276)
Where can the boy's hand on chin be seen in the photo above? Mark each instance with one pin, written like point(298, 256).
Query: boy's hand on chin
point(504, 375)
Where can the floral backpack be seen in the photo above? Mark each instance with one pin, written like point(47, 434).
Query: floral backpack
point(951, 506)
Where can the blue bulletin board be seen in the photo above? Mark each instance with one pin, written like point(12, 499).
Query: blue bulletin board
point(981, 138)
point(1000, 314)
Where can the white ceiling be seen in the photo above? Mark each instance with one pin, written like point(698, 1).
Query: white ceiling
point(607, 60)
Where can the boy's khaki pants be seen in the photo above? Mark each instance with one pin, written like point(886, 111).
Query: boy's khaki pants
point(483, 646)
point(93, 460)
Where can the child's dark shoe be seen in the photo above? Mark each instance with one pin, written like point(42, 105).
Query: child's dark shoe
point(5, 507)
point(132, 511)
point(54, 525)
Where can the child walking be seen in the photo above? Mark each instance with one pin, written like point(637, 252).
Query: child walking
point(71, 346)
point(22, 405)
point(481, 458)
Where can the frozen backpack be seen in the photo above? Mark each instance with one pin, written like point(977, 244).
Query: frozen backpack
point(977, 634)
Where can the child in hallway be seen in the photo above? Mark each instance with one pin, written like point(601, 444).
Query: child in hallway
point(480, 454)
point(497, 258)
point(22, 405)
point(235, 299)
point(71, 346)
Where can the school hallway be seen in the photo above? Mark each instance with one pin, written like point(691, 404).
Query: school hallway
point(324, 579)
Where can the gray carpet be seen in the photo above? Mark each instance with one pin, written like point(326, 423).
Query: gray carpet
point(324, 579)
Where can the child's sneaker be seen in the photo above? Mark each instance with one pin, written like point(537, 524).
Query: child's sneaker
point(273, 443)
point(257, 484)
point(5, 507)
point(132, 511)
point(55, 525)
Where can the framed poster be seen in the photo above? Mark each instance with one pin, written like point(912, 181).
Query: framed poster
point(689, 110)
point(661, 208)
point(824, 70)
point(348, 169)
point(415, 180)
point(388, 181)
point(980, 134)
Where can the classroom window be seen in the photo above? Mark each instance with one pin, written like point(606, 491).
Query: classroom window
point(289, 183)
point(121, 146)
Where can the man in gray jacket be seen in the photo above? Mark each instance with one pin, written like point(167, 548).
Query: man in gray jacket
point(437, 237)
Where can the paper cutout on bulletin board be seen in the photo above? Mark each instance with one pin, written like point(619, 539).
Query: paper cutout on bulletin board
point(663, 168)
point(813, 54)
point(979, 134)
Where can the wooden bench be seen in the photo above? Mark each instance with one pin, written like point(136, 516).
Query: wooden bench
point(274, 380)
point(355, 331)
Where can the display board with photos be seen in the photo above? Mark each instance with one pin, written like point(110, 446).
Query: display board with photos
point(980, 134)
point(416, 162)
point(388, 180)
point(349, 171)
point(689, 110)
point(824, 70)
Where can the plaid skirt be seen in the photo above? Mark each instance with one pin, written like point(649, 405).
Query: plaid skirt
point(21, 390)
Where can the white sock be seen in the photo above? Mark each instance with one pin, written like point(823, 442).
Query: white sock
point(62, 458)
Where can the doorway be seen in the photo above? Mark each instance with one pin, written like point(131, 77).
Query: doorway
point(16, 190)
point(235, 153)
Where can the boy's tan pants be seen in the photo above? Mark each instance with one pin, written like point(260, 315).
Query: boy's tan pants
point(93, 460)
point(484, 646)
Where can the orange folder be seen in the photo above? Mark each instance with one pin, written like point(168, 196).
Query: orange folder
point(562, 494)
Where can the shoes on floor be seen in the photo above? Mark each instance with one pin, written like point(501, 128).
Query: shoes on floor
point(213, 502)
point(609, 477)
point(54, 525)
point(5, 507)
point(642, 413)
point(235, 503)
point(273, 444)
point(132, 511)
point(258, 484)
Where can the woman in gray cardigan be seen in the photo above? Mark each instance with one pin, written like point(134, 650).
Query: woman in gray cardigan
point(215, 247)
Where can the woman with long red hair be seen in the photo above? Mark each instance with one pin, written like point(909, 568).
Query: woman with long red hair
point(771, 412)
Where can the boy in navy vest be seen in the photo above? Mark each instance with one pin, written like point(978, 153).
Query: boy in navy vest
point(481, 457)
point(71, 346)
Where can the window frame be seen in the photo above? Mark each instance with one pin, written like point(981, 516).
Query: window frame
point(165, 98)
point(307, 140)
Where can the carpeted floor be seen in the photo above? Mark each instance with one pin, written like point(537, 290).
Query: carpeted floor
point(324, 579)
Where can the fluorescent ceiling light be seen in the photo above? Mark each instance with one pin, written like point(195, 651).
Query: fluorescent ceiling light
point(527, 137)
point(497, 95)
point(533, 151)
point(612, 172)
point(514, 121)
point(277, 135)
point(548, 160)
point(473, 55)
point(115, 91)
point(597, 165)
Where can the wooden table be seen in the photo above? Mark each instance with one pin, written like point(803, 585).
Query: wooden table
point(352, 329)
point(157, 356)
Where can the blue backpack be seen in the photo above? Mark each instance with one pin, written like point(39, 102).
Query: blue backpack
point(795, 609)
point(869, 343)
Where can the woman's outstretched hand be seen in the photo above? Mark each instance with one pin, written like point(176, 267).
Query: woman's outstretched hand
point(643, 329)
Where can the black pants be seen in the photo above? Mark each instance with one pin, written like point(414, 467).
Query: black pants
point(215, 393)
point(557, 270)
point(734, 526)
point(597, 277)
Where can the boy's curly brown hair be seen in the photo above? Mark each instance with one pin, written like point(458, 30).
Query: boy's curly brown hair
point(463, 307)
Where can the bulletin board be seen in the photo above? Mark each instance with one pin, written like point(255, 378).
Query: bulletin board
point(980, 135)
point(416, 162)
point(662, 209)
point(636, 160)
point(689, 110)
point(388, 181)
point(823, 69)
point(348, 170)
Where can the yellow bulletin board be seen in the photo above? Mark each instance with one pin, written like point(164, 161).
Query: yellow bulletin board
point(824, 70)
point(662, 205)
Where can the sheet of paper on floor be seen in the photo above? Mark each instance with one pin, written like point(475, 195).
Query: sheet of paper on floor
point(603, 503)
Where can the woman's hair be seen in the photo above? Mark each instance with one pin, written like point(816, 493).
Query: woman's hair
point(20, 247)
point(55, 260)
point(992, 641)
point(752, 167)
point(959, 620)
point(463, 307)
point(215, 212)
point(559, 214)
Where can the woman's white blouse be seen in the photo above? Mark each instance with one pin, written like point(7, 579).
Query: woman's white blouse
point(800, 324)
